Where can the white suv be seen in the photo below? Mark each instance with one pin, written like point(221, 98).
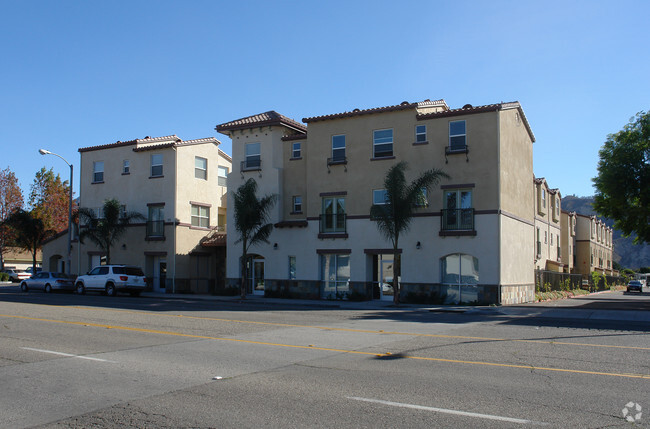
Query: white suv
point(111, 279)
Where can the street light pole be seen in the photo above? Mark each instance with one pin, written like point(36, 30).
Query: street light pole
point(69, 261)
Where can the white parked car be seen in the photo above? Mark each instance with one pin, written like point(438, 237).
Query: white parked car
point(17, 276)
point(111, 279)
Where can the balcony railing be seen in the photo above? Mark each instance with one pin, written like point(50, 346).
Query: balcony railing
point(457, 220)
point(155, 228)
point(333, 223)
point(337, 160)
point(251, 165)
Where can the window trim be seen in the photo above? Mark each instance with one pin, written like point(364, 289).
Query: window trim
point(198, 216)
point(422, 134)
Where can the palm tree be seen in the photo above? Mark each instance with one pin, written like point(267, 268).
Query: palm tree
point(251, 217)
point(394, 217)
point(29, 232)
point(106, 230)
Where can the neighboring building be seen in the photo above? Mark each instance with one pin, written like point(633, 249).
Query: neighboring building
point(548, 209)
point(180, 187)
point(568, 234)
point(470, 242)
point(18, 259)
point(594, 245)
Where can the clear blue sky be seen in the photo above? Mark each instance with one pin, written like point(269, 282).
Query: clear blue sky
point(86, 73)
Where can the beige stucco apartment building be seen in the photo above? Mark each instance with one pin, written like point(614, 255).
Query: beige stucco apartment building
point(594, 244)
point(548, 242)
point(472, 241)
point(179, 187)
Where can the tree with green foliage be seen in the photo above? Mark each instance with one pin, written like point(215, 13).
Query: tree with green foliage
point(49, 199)
point(623, 181)
point(394, 217)
point(251, 222)
point(104, 230)
point(29, 232)
point(11, 199)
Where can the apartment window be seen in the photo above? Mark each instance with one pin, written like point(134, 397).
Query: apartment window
point(335, 272)
point(200, 168)
point(200, 216)
point(382, 143)
point(126, 167)
point(557, 205)
point(459, 273)
point(539, 243)
point(98, 171)
point(457, 135)
point(156, 221)
point(223, 176)
point(544, 198)
point(379, 197)
point(253, 158)
point(420, 133)
point(292, 267)
point(297, 204)
point(551, 239)
point(545, 237)
point(423, 198)
point(296, 150)
point(458, 213)
point(333, 215)
point(156, 165)
point(338, 148)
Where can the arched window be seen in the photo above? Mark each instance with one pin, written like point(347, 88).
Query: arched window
point(459, 272)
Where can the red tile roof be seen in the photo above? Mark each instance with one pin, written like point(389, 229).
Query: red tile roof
point(165, 141)
point(269, 118)
point(404, 105)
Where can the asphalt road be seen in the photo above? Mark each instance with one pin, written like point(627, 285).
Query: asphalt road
point(93, 361)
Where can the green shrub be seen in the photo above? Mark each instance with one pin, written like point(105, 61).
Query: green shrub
point(4, 277)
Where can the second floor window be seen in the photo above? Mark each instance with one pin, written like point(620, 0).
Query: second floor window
point(253, 158)
point(544, 198)
point(223, 176)
point(200, 216)
point(296, 150)
point(338, 148)
point(457, 135)
point(420, 133)
point(98, 171)
point(200, 168)
point(333, 215)
point(126, 167)
point(156, 221)
point(382, 143)
point(458, 213)
point(156, 165)
point(379, 197)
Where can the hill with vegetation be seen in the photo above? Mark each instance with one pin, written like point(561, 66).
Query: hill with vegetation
point(626, 253)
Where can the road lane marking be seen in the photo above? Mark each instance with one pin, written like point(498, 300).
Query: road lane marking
point(365, 331)
point(52, 352)
point(454, 412)
point(311, 347)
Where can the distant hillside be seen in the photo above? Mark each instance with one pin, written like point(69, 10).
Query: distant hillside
point(625, 253)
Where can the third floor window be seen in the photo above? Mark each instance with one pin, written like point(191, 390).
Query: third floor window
point(98, 171)
point(223, 176)
point(252, 154)
point(457, 135)
point(338, 148)
point(200, 168)
point(382, 143)
point(156, 165)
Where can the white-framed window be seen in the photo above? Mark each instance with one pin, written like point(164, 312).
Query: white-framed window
point(201, 168)
point(382, 143)
point(457, 135)
point(335, 273)
point(292, 267)
point(420, 133)
point(458, 213)
point(126, 167)
point(297, 204)
point(253, 156)
point(156, 165)
point(338, 148)
point(223, 175)
point(200, 216)
point(98, 171)
point(379, 197)
point(296, 151)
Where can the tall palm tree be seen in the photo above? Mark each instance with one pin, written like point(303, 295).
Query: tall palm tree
point(106, 230)
point(251, 217)
point(29, 232)
point(394, 217)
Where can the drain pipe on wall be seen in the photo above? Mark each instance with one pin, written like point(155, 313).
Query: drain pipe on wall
point(174, 219)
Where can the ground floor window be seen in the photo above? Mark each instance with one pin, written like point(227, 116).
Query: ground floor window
point(459, 273)
point(335, 273)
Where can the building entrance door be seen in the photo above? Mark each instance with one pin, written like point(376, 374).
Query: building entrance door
point(257, 277)
point(159, 274)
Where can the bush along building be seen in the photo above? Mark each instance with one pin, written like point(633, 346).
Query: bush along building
point(179, 188)
point(472, 239)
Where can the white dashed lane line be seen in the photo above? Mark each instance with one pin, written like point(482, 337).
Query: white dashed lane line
point(52, 352)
